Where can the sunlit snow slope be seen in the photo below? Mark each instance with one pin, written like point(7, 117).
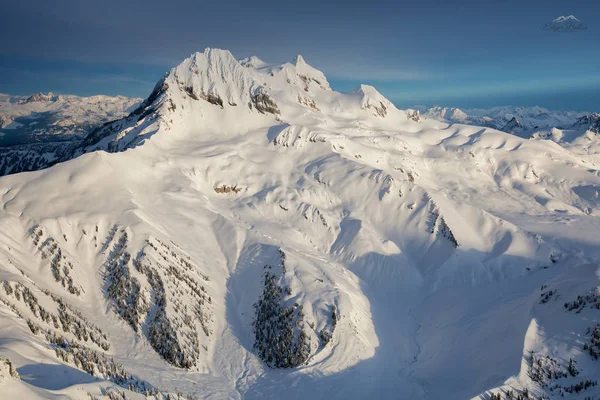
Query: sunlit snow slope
point(250, 233)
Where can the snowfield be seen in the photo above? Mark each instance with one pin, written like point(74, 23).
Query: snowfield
point(578, 132)
point(249, 233)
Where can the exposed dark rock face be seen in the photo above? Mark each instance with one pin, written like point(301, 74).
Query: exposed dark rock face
point(591, 122)
point(414, 115)
point(264, 103)
point(512, 125)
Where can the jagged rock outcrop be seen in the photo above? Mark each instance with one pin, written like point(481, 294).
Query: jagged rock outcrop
point(413, 115)
point(590, 122)
point(39, 97)
point(4, 121)
point(296, 136)
point(512, 126)
point(308, 75)
point(370, 99)
point(7, 369)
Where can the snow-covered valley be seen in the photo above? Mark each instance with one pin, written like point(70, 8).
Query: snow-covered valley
point(249, 233)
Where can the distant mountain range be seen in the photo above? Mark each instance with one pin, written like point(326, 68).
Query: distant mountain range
point(37, 130)
point(49, 117)
point(499, 117)
point(578, 131)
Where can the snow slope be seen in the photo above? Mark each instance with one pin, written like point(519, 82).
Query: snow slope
point(576, 131)
point(388, 257)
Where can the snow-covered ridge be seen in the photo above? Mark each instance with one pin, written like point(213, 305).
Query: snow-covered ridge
point(576, 131)
point(215, 78)
point(497, 117)
point(370, 98)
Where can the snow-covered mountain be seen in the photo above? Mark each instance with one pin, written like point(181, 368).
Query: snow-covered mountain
point(498, 117)
point(578, 132)
point(37, 130)
point(247, 232)
point(582, 137)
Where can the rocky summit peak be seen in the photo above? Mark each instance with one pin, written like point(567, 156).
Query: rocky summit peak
point(39, 97)
point(512, 125)
point(213, 80)
point(253, 62)
point(299, 60)
point(309, 75)
point(371, 99)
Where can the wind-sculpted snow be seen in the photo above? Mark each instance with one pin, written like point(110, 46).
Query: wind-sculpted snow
point(578, 132)
point(423, 259)
point(296, 136)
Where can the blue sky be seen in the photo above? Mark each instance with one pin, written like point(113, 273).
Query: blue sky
point(457, 53)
